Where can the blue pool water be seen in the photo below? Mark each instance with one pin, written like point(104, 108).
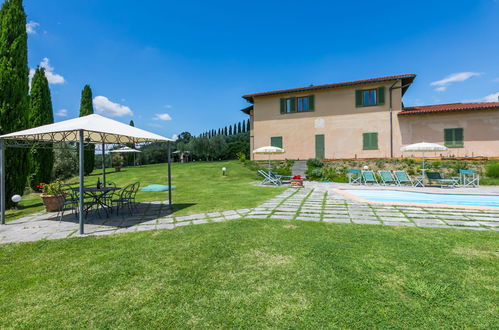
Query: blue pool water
point(427, 198)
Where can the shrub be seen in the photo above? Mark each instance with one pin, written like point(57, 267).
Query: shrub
point(314, 163)
point(492, 170)
point(241, 156)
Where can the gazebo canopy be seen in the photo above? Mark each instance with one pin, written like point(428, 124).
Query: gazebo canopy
point(88, 129)
point(96, 129)
point(125, 149)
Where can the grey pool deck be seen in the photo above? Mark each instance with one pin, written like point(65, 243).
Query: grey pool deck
point(316, 202)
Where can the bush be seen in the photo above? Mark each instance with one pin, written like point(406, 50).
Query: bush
point(492, 170)
point(314, 163)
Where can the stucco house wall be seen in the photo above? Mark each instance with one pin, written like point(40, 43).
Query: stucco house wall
point(335, 116)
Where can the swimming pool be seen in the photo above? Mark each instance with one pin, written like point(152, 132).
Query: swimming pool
point(425, 198)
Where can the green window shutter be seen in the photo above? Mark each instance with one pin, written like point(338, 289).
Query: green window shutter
point(276, 141)
point(358, 98)
point(374, 140)
point(458, 137)
point(283, 105)
point(365, 141)
point(311, 103)
point(381, 95)
point(293, 104)
point(448, 137)
point(370, 141)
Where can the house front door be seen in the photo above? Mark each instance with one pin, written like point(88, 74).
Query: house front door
point(319, 146)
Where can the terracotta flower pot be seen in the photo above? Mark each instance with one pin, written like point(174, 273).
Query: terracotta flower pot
point(53, 203)
point(297, 183)
point(117, 168)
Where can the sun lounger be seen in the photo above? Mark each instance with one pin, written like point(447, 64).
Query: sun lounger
point(437, 177)
point(387, 178)
point(354, 176)
point(403, 178)
point(269, 179)
point(282, 178)
point(468, 178)
point(369, 177)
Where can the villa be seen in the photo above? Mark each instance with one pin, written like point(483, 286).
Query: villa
point(367, 119)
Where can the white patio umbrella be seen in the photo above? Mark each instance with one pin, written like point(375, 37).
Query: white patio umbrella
point(423, 147)
point(269, 150)
point(126, 150)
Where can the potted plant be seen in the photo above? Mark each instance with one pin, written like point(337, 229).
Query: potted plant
point(118, 162)
point(297, 181)
point(51, 196)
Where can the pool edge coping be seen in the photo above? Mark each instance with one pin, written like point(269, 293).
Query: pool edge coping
point(450, 206)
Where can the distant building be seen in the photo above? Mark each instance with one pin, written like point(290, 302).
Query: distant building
point(366, 119)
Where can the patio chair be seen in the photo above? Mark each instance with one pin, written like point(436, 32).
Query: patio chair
point(124, 198)
point(403, 178)
point(69, 201)
point(282, 178)
point(387, 178)
point(111, 195)
point(468, 178)
point(369, 177)
point(437, 177)
point(354, 176)
point(269, 179)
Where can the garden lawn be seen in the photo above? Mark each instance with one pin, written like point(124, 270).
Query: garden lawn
point(253, 274)
point(200, 187)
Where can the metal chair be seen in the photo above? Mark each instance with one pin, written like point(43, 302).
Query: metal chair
point(124, 198)
point(69, 201)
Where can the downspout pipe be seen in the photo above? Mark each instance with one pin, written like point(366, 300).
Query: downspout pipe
point(392, 87)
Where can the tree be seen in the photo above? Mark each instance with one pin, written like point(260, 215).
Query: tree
point(87, 108)
point(41, 161)
point(248, 125)
point(132, 123)
point(230, 129)
point(14, 92)
point(184, 137)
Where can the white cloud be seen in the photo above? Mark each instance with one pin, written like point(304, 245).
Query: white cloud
point(167, 106)
point(106, 107)
point(62, 113)
point(31, 27)
point(174, 137)
point(494, 97)
point(52, 77)
point(162, 116)
point(455, 77)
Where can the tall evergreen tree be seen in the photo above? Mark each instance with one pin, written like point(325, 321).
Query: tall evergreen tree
point(14, 92)
point(41, 161)
point(248, 125)
point(132, 123)
point(230, 129)
point(239, 129)
point(87, 108)
point(225, 130)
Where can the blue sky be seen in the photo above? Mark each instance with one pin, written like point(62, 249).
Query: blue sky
point(175, 66)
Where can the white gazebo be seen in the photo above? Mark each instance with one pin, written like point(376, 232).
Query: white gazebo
point(91, 129)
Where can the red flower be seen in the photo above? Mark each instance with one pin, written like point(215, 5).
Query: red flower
point(297, 177)
point(40, 186)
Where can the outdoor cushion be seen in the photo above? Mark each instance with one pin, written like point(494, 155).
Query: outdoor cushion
point(156, 187)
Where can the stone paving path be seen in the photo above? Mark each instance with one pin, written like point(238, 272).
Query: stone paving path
point(305, 204)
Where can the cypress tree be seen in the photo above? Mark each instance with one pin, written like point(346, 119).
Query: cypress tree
point(87, 108)
point(248, 125)
point(225, 130)
point(239, 129)
point(14, 92)
point(41, 161)
point(132, 123)
point(230, 129)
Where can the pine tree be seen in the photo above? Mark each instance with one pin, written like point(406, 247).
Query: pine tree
point(41, 161)
point(14, 92)
point(87, 108)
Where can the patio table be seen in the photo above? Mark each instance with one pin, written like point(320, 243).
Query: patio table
point(98, 196)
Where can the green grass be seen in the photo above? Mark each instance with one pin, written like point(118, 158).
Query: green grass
point(253, 274)
point(200, 187)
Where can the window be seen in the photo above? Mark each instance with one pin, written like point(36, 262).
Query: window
point(302, 103)
point(297, 104)
point(370, 141)
point(276, 141)
point(370, 97)
point(454, 137)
